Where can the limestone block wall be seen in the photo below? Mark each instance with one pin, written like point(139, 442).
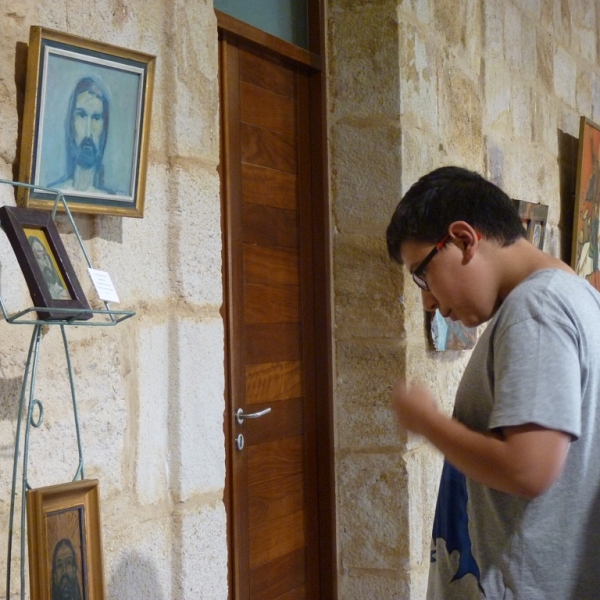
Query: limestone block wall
point(150, 391)
point(497, 86)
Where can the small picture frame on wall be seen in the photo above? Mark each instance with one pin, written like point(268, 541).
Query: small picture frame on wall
point(64, 541)
point(45, 264)
point(86, 124)
point(585, 251)
point(447, 334)
point(534, 217)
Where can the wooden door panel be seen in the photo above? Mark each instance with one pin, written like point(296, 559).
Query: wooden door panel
point(285, 420)
point(278, 577)
point(267, 382)
point(272, 499)
point(270, 326)
point(265, 109)
point(261, 185)
point(271, 265)
point(273, 460)
point(271, 303)
point(268, 148)
point(266, 74)
point(297, 594)
point(267, 542)
point(272, 342)
point(270, 226)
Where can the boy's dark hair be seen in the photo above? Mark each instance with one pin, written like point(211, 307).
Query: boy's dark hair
point(451, 194)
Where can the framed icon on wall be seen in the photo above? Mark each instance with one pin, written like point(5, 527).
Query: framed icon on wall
point(86, 124)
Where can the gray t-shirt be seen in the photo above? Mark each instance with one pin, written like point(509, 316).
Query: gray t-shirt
point(538, 361)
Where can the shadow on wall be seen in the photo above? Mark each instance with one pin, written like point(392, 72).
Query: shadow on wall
point(21, 51)
point(135, 577)
point(10, 393)
point(567, 172)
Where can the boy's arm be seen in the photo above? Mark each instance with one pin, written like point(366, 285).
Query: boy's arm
point(524, 460)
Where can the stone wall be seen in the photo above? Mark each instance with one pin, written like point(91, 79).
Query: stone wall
point(150, 391)
point(494, 85)
point(497, 86)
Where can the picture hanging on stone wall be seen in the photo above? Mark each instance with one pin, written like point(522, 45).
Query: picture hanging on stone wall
point(64, 541)
point(585, 258)
point(86, 124)
point(534, 217)
point(447, 334)
point(45, 264)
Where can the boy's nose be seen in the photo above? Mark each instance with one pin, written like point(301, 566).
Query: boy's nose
point(430, 303)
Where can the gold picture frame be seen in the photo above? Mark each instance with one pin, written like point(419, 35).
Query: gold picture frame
point(64, 541)
point(86, 124)
point(585, 252)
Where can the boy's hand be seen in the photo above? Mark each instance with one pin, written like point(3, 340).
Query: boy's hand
point(413, 406)
point(524, 460)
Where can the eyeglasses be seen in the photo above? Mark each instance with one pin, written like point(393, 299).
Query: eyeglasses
point(417, 274)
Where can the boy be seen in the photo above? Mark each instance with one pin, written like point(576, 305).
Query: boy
point(518, 513)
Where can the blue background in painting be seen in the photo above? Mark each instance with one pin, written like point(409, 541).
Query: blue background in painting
point(62, 76)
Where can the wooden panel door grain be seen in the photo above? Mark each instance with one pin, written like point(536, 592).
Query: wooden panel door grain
point(273, 480)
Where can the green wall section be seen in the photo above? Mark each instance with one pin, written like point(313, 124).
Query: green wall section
point(286, 19)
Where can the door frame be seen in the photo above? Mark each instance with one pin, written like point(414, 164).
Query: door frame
point(312, 61)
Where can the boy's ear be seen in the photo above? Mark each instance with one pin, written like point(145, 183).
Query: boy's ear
point(465, 238)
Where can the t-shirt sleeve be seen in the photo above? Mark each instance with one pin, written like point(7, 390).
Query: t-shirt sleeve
point(537, 376)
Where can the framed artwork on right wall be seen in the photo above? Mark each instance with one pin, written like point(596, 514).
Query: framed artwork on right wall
point(585, 253)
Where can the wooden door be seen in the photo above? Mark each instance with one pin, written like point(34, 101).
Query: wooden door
point(278, 549)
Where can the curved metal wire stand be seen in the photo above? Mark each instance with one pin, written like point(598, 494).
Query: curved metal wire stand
point(108, 317)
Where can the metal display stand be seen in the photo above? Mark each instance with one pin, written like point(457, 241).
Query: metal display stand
point(35, 409)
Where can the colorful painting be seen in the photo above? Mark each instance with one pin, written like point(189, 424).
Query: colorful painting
point(586, 243)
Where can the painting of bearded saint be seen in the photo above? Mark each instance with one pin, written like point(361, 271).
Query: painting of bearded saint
point(65, 569)
point(86, 135)
point(50, 272)
point(68, 569)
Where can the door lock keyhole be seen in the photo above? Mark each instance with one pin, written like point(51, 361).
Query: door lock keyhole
point(239, 442)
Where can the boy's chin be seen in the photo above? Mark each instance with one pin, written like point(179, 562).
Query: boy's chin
point(469, 321)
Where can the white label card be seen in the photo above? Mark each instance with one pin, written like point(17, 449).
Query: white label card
point(104, 285)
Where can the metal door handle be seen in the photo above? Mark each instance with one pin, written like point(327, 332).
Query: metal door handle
point(240, 415)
